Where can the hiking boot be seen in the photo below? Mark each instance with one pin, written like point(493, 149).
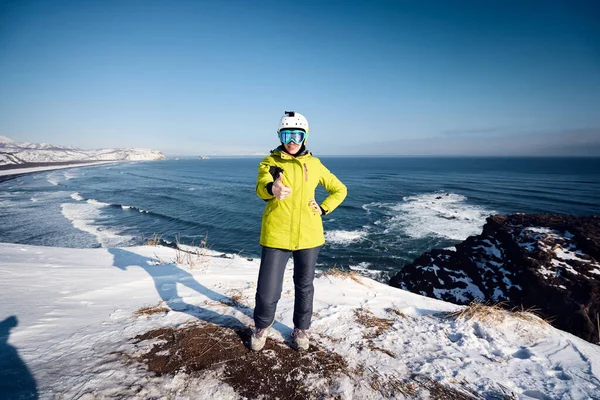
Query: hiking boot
point(300, 337)
point(259, 338)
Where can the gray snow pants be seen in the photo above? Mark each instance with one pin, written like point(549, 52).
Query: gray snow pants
point(270, 283)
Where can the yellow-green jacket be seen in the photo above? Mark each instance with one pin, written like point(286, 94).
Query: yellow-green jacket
point(290, 223)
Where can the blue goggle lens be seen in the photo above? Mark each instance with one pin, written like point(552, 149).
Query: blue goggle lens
point(287, 136)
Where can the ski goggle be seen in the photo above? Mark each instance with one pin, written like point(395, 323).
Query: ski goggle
point(292, 135)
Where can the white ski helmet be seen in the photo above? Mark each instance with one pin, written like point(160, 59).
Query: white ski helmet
point(293, 120)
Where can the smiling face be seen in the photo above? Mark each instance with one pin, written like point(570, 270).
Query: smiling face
point(292, 148)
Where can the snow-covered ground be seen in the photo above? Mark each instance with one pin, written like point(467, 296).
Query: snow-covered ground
point(67, 322)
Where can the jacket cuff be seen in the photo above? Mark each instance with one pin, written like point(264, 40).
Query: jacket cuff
point(323, 211)
point(270, 188)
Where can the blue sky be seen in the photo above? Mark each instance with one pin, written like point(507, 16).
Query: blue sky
point(372, 77)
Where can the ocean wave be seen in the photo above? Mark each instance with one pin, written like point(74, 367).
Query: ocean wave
point(98, 203)
point(53, 178)
point(344, 237)
point(84, 216)
point(365, 268)
point(446, 215)
point(77, 196)
point(133, 208)
point(70, 175)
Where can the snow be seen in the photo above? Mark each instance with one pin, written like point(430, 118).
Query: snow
point(470, 288)
point(75, 307)
point(491, 249)
point(562, 249)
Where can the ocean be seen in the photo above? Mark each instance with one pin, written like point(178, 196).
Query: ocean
point(396, 209)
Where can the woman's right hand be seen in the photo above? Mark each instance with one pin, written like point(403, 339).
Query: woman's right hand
point(280, 191)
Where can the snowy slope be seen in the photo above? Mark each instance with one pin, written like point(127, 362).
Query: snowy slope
point(12, 152)
point(73, 311)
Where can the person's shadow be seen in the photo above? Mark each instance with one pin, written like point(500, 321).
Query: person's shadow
point(167, 276)
point(16, 381)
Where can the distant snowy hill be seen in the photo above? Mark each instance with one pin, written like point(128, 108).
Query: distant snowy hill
point(12, 153)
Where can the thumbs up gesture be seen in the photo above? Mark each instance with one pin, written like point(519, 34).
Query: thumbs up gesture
point(280, 191)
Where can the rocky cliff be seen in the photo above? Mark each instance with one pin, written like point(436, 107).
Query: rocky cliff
point(546, 262)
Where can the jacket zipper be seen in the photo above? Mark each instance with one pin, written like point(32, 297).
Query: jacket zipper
point(292, 216)
point(305, 173)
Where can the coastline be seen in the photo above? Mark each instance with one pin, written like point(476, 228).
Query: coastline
point(12, 171)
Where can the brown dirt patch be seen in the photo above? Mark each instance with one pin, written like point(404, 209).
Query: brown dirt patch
point(277, 371)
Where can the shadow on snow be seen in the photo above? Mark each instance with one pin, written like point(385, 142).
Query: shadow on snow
point(166, 277)
point(16, 381)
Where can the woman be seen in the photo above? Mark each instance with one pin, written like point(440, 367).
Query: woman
point(291, 225)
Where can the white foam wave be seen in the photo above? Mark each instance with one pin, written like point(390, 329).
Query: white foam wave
point(446, 215)
point(83, 217)
point(77, 196)
point(134, 208)
point(53, 179)
point(364, 268)
point(8, 203)
point(70, 175)
point(98, 203)
point(344, 237)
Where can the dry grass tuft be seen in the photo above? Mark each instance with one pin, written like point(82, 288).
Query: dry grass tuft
point(151, 310)
point(494, 314)
point(235, 299)
point(191, 255)
point(390, 386)
point(368, 320)
point(342, 274)
point(530, 315)
point(154, 240)
point(371, 346)
point(421, 386)
point(395, 311)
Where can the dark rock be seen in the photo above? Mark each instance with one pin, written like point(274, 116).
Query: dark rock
point(546, 262)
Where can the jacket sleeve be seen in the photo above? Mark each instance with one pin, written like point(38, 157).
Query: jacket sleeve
point(336, 189)
point(264, 179)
